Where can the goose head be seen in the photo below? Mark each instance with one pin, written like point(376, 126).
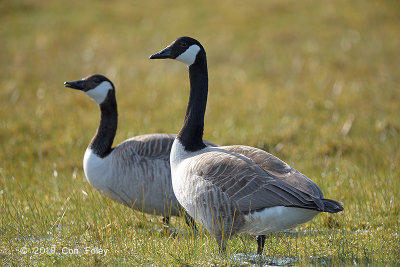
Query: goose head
point(184, 49)
point(96, 86)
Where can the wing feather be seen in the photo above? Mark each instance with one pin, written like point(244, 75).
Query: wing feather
point(255, 179)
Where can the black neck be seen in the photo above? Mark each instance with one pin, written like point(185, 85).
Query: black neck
point(104, 137)
point(191, 134)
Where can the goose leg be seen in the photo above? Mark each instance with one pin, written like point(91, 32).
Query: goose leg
point(260, 243)
point(221, 244)
point(166, 220)
point(190, 222)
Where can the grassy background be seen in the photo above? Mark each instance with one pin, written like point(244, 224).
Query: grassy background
point(314, 82)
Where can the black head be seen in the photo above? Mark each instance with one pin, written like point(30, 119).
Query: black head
point(184, 49)
point(96, 86)
point(88, 83)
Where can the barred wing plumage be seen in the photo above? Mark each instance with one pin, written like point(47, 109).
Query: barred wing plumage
point(255, 179)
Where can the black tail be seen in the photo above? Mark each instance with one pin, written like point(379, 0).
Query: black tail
point(332, 206)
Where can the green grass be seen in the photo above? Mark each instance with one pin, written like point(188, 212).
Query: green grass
point(314, 82)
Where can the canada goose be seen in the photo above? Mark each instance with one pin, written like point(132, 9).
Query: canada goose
point(135, 173)
point(233, 189)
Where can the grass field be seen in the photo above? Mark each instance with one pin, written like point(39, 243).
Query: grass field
point(316, 83)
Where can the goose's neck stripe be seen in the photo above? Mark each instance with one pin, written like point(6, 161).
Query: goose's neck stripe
point(191, 134)
point(104, 137)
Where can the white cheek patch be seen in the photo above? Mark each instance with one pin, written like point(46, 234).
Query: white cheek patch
point(99, 93)
point(189, 56)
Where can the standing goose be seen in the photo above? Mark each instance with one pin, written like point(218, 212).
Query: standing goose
point(233, 189)
point(135, 173)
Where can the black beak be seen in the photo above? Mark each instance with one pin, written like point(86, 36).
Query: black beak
point(75, 84)
point(165, 53)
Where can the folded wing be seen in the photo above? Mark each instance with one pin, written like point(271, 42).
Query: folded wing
point(255, 179)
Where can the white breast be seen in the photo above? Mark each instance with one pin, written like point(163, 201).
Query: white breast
point(182, 180)
point(178, 155)
point(101, 174)
point(97, 170)
point(276, 219)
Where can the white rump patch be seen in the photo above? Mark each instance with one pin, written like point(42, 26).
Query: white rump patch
point(99, 93)
point(189, 56)
point(276, 219)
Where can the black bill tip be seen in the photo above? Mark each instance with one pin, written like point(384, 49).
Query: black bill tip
point(74, 85)
point(165, 53)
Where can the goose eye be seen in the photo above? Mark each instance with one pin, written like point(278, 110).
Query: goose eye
point(184, 44)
